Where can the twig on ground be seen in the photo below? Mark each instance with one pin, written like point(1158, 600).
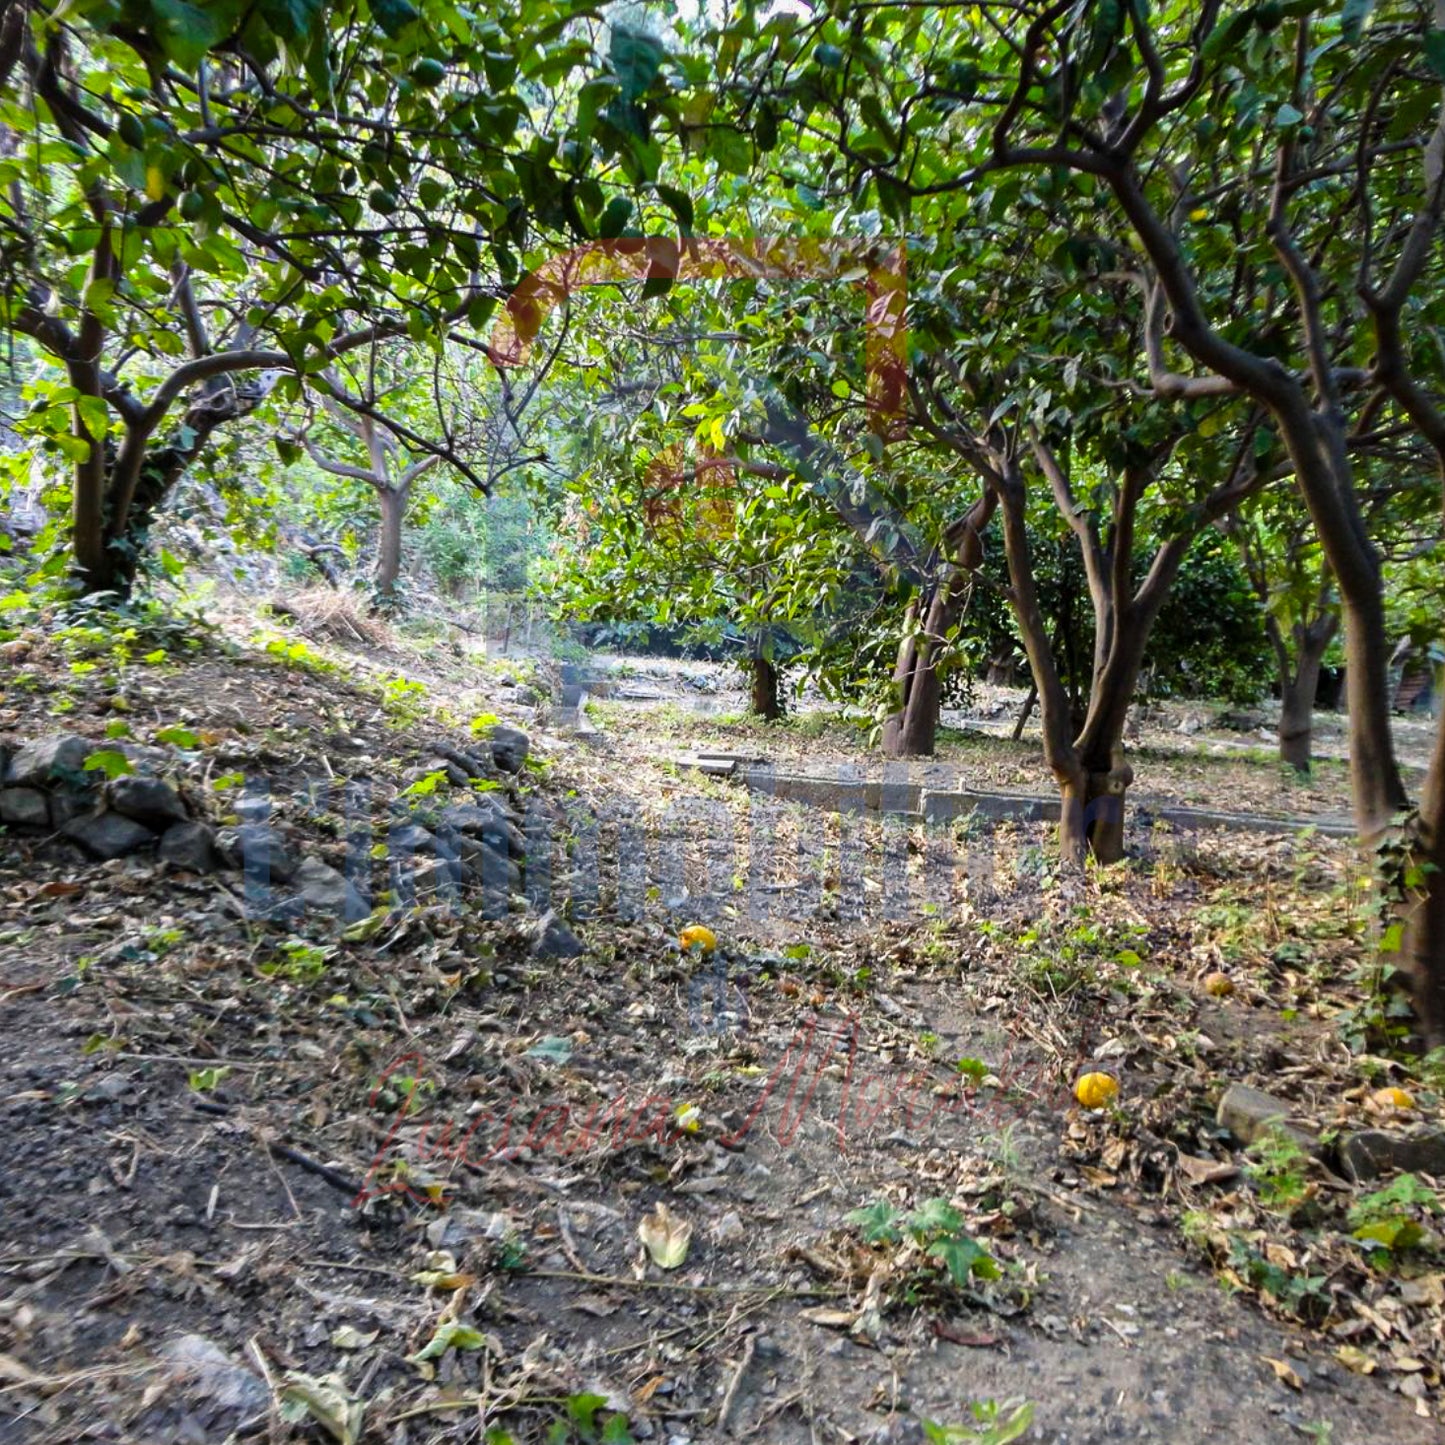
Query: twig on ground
point(730, 1394)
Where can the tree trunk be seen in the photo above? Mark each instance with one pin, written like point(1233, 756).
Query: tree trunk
point(1322, 469)
point(388, 562)
point(1423, 946)
point(110, 536)
point(1297, 694)
point(911, 732)
point(1092, 817)
point(764, 696)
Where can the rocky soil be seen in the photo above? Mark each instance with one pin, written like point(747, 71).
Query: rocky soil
point(453, 1140)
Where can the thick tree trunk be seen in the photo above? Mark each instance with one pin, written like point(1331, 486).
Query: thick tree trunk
point(1322, 469)
point(912, 731)
point(1298, 689)
point(388, 562)
point(764, 695)
point(1092, 819)
point(113, 515)
point(1296, 720)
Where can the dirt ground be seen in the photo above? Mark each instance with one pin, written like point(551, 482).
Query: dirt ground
point(277, 1179)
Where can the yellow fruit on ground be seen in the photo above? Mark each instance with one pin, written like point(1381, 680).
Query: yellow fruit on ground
point(1218, 984)
point(1393, 1098)
point(1094, 1091)
point(696, 935)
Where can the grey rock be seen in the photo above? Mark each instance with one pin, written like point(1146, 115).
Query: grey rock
point(50, 757)
point(212, 1380)
point(65, 805)
point(551, 938)
point(526, 697)
point(1247, 1113)
point(147, 800)
point(149, 762)
point(897, 1430)
point(510, 747)
point(324, 888)
point(493, 823)
point(258, 847)
point(108, 835)
point(1240, 720)
point(191, 846)
point(483, 862)
point(109, 1089)
point(473, 764)
point(410, 838)
point(730, 1229)
point(1372, 1152)
point(24, 808)
point(454, 773)
point(439, 876)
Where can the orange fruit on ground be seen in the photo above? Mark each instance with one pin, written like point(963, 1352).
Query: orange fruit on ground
point(1392, 1098)
point(1220, 985)
point(696, 935)
point(1095, 1091)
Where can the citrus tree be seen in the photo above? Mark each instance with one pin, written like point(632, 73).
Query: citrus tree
point(205, 204)
point(1273, 176)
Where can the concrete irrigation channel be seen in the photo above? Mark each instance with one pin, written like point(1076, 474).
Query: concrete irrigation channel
point(933, 794)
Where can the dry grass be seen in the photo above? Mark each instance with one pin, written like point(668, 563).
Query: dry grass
point(324, 612)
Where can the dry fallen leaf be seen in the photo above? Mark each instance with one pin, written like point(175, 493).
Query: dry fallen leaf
point(830, 1318)
point(324, 1399)
point(666, 1237)
point(1429, 1289)
point(1284, 1372)
point(1206, 1171)
point(348, 1337)
point(1352, 1357)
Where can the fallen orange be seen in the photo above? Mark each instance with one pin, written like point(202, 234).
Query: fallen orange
point(1393, 1098)
point(1094, 1091)
point(695, 935)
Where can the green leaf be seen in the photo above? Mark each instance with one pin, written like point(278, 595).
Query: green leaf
point(393, 15)
point(964, 1257)
point(424, 786)
point(1435, 51)
point(187, 32)
point(1397, 1234)
point(292, 20)
point(935, 1216)
point(1226, 35)
point(1353, 17)
point(614, 218)
point(112, 763)
point(178, 737)
point(679, 203)
point(876, 1222)
point(731, 149)
point(635, 59)
point(583, 1409)
point(553, 1049)
point(453, 1335)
